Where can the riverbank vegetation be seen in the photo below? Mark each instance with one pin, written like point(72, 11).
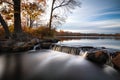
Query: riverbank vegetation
point(40, 32)
point(24, 24)
point(20, 13)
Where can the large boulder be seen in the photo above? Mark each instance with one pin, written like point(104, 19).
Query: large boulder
point(116, 61)
point(98, 57)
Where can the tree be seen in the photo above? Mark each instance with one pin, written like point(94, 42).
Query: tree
point(32, 10)
point(5, 26)
point(17, 17)
point(65, 5)
point(2, 21)
point(16, 5)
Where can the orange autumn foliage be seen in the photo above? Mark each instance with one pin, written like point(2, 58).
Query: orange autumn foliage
point(39, 32)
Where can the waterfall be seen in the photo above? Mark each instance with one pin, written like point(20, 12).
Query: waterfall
point(74, 51)
point(65, 49)
point(82, 51)
point(85, 54)
point(36, 47)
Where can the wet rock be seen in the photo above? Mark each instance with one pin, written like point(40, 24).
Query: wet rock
point(99, 57)
point(18, 46)
point(87, 48)
point(24, 46)
point(6, 46)
point(55, 40)
point(116, 61)
point(34, 41)
point(51, 40)
point(46, 45)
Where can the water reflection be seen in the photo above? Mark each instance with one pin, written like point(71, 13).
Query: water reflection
point(108, 43)
point(12, 67)
point(67, 38)
point(51, 65)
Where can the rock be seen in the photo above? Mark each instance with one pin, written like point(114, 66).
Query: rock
point(6, 46)
point(46, 45)
point(18, 46)
point(55, 40)
point(51, 40)
point(116, 61)
point(86, 48)
point(99, 57)
point(34, 41)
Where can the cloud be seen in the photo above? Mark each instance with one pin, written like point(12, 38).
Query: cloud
point(95, 16)
point(96, 26)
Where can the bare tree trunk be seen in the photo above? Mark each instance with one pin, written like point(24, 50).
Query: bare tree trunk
point(50, 21)
point(17, 17)
point(5, 26)
point(31, 23)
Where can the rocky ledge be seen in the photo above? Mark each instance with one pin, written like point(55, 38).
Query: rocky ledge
point(17, 46)
point(20, 46)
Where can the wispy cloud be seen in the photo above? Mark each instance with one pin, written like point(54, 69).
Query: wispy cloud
point(98, 16)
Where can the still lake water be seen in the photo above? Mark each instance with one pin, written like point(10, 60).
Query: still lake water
point(88, 41)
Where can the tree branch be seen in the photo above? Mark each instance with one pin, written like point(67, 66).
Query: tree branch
point(62, 4)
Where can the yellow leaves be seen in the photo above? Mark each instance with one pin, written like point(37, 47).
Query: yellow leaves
point(32, 10)
point(11, 28)
point(33, 6)
point(8, 17)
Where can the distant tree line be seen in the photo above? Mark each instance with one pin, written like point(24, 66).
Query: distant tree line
point(66, 33)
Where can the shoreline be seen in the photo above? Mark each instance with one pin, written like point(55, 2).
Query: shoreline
point(12, 46)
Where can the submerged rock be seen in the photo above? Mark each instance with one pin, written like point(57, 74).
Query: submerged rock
point(99, 57)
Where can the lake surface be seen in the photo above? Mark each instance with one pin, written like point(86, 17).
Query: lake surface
point(108, 42)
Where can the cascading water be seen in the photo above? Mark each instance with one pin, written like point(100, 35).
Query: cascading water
point(82, 51)
point(36, 47)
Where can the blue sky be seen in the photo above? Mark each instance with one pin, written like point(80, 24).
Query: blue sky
point(94, 16)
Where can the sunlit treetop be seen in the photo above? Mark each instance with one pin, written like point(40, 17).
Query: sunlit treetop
point(28, 7)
